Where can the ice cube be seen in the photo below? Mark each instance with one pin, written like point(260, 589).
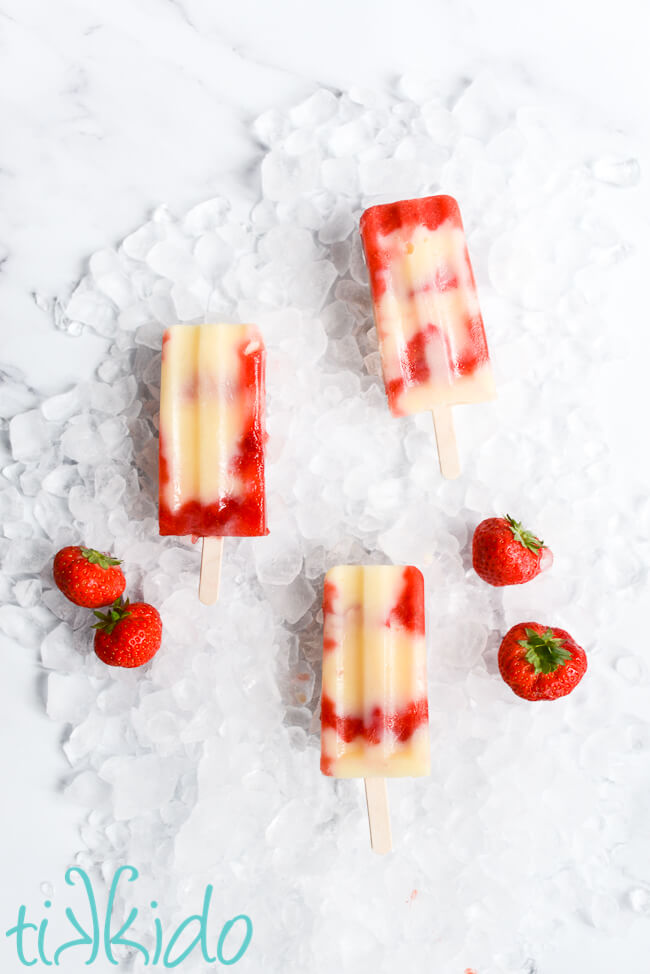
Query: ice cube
point(84, 738)
point(339, 225)
point(29, 435)
point(315, 110)
point(341, 176)
point(88, 306)
point(311, 286)
point(113, 398)
point(61, 479)
point(87, 789)
point(292, 601)
point(16, 623)
point(58, 650)
point(69, 697)
point(139, 243)
point(81, 443)
point(207, 216)
point(61, 407)
point(278, 557)
point(11, 505)
point(27, 556)
point(28, 592)
point(140, 784)
point(285, 176)
point(270, 127)
point(174, 261)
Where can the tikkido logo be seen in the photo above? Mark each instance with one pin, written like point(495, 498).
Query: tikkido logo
point(169, 950)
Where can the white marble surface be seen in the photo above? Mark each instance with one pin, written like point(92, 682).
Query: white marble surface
point(109, 108)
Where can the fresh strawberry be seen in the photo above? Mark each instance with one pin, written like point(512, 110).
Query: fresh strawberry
point(88, 577)
point(129, 634)
point(540, 662)
point(503, 553)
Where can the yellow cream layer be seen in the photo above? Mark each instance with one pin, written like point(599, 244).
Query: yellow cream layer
point(203, 410)
point(370, 663)
point(389, 759)
point(421, 260)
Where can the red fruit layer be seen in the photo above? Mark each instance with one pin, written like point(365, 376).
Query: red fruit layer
point(409, 611)
point(414, 365)
point(431, 212)
point(229, 516)
point(400, 724)
point(379, 221)
point(329, 594)
point(428, 211)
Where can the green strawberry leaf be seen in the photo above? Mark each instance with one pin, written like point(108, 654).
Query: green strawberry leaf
point(108, 620)
point(99, 558)
point(544, 651)
point(525, 538)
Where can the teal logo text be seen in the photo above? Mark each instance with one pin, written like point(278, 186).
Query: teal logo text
point(98, 935)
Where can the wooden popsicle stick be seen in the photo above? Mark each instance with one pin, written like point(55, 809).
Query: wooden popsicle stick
point(210, 570)
point(378, 815)
point(443, 423)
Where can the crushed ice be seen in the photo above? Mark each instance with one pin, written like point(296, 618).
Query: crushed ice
point(203, 766)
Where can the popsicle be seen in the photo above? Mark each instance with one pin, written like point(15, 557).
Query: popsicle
point(374, 706)
point(431, 337)
point(212, 439)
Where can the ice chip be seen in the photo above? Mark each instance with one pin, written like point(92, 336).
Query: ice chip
point(28, 592)
point(19, 626)
point(311, 286)
point(316, 109)
point(58, 650)
point(27, 556)
point(61, 407)
point(140, 784)
point(339, 225)
point(69, 697)
point(291, 601)
point(207, 216)
point(87, 789)
point(29, 435)
point(278, 558)
point(173, 261)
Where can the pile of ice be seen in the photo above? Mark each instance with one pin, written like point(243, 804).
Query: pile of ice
point(203, 766)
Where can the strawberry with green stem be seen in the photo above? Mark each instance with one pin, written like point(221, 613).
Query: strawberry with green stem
point(88, 577)
point(505, 553)
point(541, 662)
point(128, 634)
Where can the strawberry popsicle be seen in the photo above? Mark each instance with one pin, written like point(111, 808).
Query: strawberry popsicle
point(211, 450)
point(374, 709)
point(431, 337)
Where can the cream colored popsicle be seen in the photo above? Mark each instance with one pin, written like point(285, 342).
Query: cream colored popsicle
point(212, 436)
point(374, 709)
point(431, 336)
